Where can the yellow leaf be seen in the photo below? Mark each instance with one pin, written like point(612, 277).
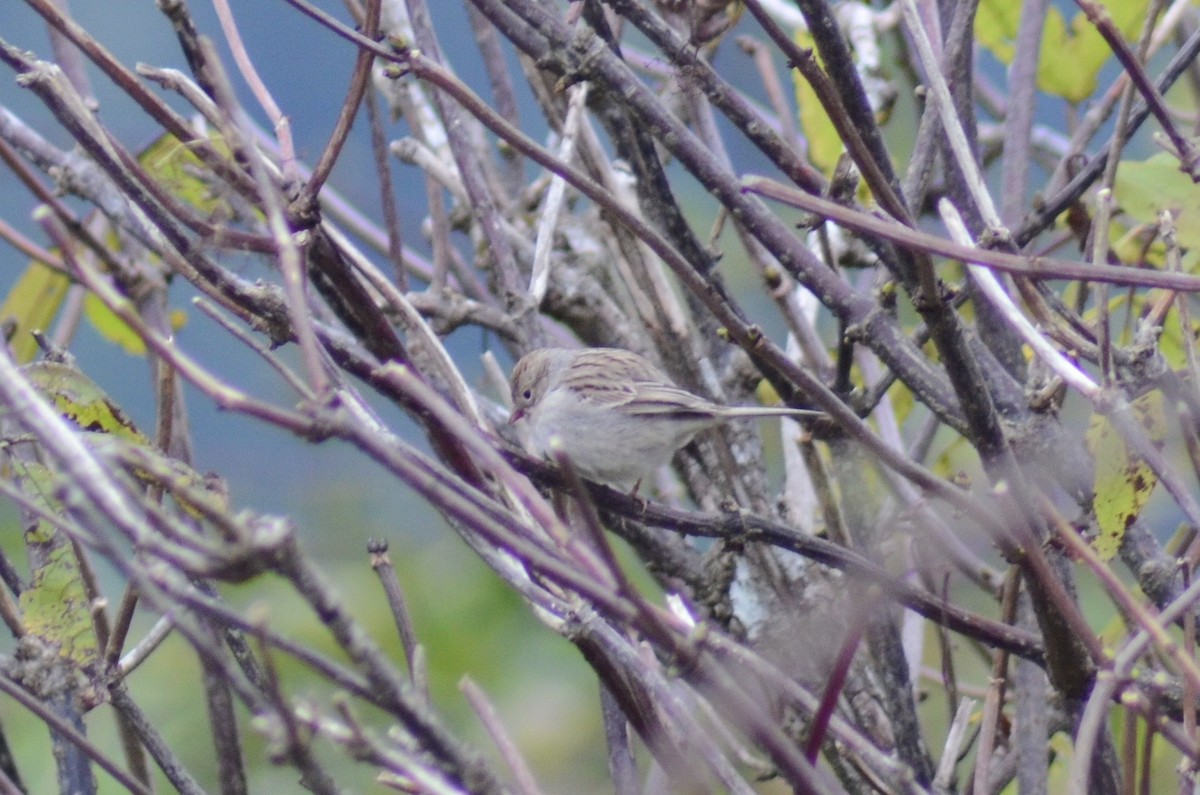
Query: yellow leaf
point(1071, 54)
point(32, 304)
point(1123, 481)
point(902, 400)
point(996, 25)
point(111, 326)
point(824, 145)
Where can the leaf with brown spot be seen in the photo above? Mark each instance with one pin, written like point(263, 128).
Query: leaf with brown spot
point(1123, 481)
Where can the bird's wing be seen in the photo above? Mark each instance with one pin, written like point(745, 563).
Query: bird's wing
point(667, 399)
point(608, 377)
point(619, 379)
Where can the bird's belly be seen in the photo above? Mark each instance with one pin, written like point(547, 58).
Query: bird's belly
point(615, 450)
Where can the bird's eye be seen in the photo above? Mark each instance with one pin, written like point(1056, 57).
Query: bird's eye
point(527, 394)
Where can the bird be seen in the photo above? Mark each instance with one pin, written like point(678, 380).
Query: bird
point(615, 415)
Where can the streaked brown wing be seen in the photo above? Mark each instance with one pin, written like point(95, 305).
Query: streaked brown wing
point(612, 376)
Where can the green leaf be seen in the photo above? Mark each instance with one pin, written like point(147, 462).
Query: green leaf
point(1146, 188)
point(80, 400)
point(1123, 481)
point(178, 169)
point(1171, 342)
point(55, 607)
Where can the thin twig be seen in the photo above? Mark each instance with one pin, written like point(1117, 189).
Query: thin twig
point(61, 727)
point(523, 776)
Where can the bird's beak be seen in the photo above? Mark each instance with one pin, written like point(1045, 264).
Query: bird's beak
point(516, 415)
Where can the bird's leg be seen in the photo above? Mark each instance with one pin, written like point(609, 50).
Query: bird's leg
point(642, 502)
